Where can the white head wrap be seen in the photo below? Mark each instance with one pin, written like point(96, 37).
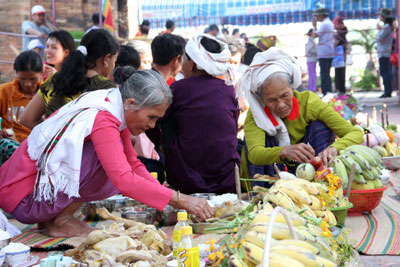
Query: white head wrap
point(212, 63)
point(82, 49)
point(263, 65)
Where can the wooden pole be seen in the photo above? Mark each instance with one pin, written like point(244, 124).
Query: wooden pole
point(101, 14)
point(53, 7)
point(237, 182)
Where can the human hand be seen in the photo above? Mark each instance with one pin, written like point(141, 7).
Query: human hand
point(300, 152)
point(49, 70)
point(42, 35)
point(196, 206)
point(8, 133)
point(328, 155)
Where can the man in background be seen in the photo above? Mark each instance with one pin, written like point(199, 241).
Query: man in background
point(96, 22)
point(38, 26)
point(170, 27)
point(325, 48)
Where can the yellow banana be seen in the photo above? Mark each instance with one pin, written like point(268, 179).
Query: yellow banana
point(280, 231)
point(325, 262)
point(309, 187)
point(319, 213)
point(281, 260)
point(267, 206)
point(264, 216)
point(304, 230)
point(257, 238)
point(296, 193)
point(322, 188)
point(308, 211)
point(235, 262)
point(316, 204)
point(280, 199)
point(307, 258)
point(331, 217)
point(299, 243)
point(254, 253)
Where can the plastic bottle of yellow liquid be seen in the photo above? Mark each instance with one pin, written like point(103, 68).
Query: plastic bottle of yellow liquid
point(188, 253)
point(177, 233)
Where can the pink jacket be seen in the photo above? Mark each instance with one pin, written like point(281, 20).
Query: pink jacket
point(116, 154)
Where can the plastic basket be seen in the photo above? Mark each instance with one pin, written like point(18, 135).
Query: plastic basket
point(365, 200)
point(341, 213)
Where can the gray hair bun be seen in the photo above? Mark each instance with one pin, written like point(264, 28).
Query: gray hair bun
point(121, 74)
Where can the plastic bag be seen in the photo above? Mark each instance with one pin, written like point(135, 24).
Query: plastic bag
point(338, 60)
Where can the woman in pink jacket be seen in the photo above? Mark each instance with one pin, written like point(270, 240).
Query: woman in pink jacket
point(84, 153)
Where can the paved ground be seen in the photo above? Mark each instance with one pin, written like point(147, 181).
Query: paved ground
point(368, 100)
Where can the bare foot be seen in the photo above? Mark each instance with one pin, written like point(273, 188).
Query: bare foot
point(67, 227)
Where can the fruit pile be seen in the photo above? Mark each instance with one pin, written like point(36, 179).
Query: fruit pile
point(384, 141)
point(307, 198)
point(368, 164)
point(315, 244)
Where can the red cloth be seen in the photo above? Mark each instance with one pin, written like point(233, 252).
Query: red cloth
point(116, 154)
point(294, 113)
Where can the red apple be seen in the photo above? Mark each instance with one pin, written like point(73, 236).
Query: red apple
point(316, 162)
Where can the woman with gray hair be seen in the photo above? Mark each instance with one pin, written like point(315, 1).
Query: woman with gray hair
point(285, 126)
point(84, 153)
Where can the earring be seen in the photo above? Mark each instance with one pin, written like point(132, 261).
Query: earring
point(105, 65)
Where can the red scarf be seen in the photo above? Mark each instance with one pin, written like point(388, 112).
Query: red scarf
point(294, 113)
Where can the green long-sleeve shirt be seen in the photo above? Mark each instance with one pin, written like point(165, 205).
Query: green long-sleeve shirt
point(312, 108)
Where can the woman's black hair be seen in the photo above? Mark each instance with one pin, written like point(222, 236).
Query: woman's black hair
point(389, 21)
point(71, 78)
point(211, 45)
point(128, 56)
point(122, 73)
point(28, 61)
point(65, 38)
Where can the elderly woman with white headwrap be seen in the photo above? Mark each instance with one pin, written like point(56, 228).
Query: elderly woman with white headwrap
point(201, 151)
point(284, 125)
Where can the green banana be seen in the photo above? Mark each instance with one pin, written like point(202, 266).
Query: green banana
point(359, 178)
point(366, 151)
point(359, 159)
point(348, 162)
point(376, 172)
point(368, 175)
point(340, 169)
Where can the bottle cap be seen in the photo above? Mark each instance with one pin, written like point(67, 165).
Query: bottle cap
point(182, 216)
point(187, 230)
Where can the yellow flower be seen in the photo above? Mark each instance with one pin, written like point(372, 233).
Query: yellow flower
point(211, 256)
point(235, 229)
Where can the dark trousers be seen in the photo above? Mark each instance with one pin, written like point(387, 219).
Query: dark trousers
point(385, 69)
point(340, 80)
point(318, 135)
point(325, 70)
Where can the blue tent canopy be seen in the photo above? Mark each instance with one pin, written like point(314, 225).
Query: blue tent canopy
point(188, 13)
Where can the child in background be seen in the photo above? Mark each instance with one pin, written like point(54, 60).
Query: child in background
point(311, 54)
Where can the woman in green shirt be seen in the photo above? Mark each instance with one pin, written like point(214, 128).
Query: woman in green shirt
point(85, 69)
point(284, 125)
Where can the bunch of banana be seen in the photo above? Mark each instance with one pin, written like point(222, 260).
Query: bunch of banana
point(392, 149)
point(300, 195)
point(288, 252)
point(368, 164)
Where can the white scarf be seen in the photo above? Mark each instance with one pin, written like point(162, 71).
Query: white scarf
point(212, 63)
point(263, 65)
point(62, 165)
